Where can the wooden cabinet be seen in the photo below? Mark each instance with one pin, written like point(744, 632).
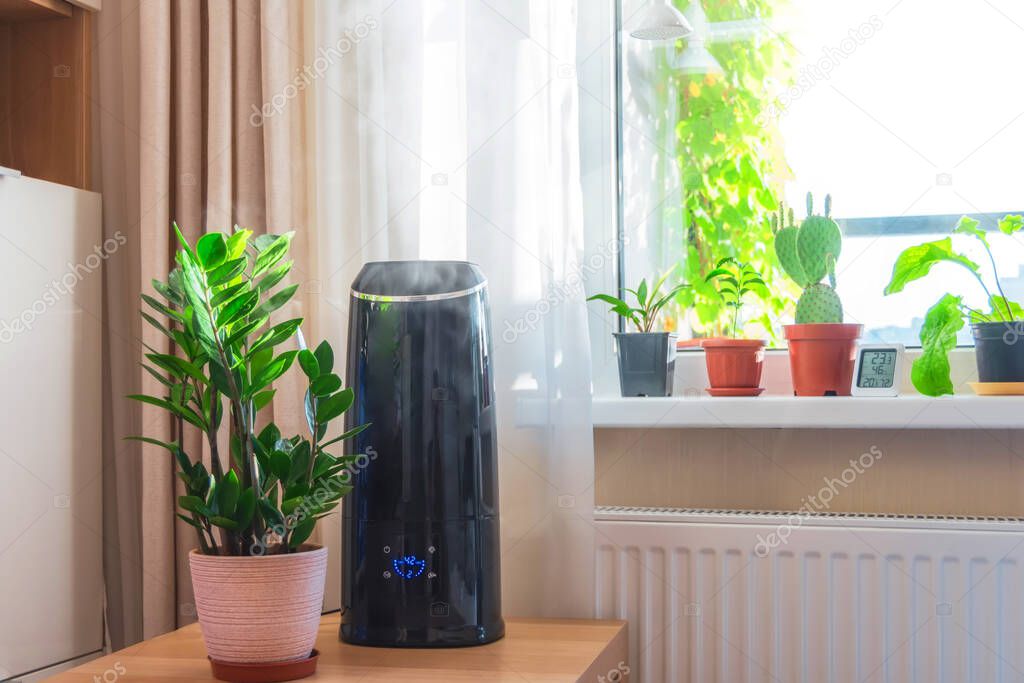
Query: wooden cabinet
point(45, 82)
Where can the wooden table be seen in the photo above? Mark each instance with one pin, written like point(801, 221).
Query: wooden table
point(533, 650)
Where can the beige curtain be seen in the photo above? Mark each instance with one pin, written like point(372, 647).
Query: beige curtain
point(201, 118)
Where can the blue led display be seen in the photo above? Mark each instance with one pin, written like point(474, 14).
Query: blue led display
point(408, 567)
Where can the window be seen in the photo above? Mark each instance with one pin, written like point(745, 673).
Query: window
point(905, 111)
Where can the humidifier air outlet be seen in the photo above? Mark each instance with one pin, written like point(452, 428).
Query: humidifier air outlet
point(408, 298)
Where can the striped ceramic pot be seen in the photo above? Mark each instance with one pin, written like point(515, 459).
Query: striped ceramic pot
point(259, 609)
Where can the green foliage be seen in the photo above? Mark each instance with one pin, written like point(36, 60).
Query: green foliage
point(217, 303)
point(649, 302)
point(808, 254)
point(730, 161)
point(930, 372)
point(734, 280)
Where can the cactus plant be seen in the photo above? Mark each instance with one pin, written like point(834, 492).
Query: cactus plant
point(808, 254)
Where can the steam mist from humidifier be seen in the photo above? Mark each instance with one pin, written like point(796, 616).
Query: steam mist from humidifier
point(420, 545)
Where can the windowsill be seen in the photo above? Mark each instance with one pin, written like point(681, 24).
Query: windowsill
point(767, 412)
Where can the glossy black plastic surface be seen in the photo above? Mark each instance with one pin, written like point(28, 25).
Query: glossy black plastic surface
point(420, 528)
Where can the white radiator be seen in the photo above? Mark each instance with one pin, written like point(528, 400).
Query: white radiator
point(712, 597)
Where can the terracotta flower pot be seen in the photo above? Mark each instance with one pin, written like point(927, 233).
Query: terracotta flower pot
point(822, 356)
point(734, 363)
point(259, 609)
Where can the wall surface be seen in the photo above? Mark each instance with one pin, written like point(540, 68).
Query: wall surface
point(951, 472)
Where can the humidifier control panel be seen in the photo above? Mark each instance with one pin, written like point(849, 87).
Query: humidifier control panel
point(401, 564)
point(418, 579)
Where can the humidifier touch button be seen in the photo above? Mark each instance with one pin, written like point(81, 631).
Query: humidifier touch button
point(420, 536)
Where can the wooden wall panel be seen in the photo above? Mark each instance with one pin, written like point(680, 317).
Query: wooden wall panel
point(945, 472)
point(45, 69)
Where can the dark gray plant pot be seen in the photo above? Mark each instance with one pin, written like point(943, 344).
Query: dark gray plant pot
point(647, 363)
point(999, 351)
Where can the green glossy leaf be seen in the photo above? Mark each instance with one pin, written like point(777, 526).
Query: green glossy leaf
point(224, 522)
point(280, 464)
point(246, 508)
point(333, 406)
point(161, 308)
point(276, 334)
point(263, 399)
point(229, 293)
point(182, 241)
point(931, 372)
point(301, 532)
point(240, 333)
point(325, 357)
point(211, 250)
point(325, 384)
point(270, 514)
point(1005, 309)
point(274, 276)
point(172, 447)
point(177, 366)
point(916, 262)
point(611, 300)
point(299, 467)
point(185, 413)
point(355, 431)
point(236, 243)
point(157, 376)
point(222, 380)
point(259, 359)
point(272, 371)
point(641, 293)
point(290, 505)
point(156, 324)
point(310, 365)
point(189, 520)
point(969, 226)
point(276, 301)
point(227, 271)
point(237, 308)
point(194, 504)
point(167, 292)
point(716, 273)
point(1008, 225)
point(323, 463)
point(269, 436)
point(228, 491)
point(269, 256)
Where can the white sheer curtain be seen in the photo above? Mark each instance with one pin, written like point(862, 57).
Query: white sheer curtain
point(448, 130)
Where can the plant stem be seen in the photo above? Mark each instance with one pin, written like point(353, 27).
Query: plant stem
point(999, 286)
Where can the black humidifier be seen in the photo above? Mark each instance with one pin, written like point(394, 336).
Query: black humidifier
point(420, 547)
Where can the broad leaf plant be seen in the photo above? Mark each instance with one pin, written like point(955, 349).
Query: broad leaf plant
point(931, 371)
point(267, 494)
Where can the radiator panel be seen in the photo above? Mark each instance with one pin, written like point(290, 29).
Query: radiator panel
point(860, 599)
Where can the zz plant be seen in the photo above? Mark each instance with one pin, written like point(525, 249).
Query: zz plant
point(267, 493)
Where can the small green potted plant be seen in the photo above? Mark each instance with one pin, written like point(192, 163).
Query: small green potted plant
point(822, 348)
point(258, 583)
point(998, 332)
point(735, 365)
point(647, 359)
